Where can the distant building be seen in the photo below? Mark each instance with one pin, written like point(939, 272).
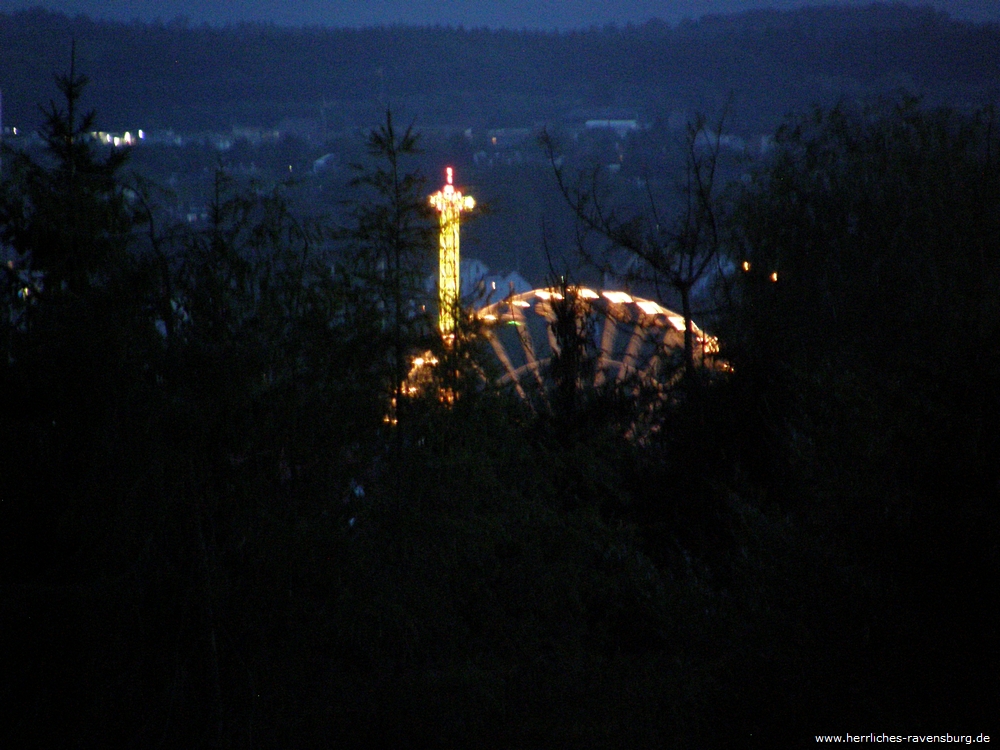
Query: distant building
point(495, 287)
point(325, 163)
point(711, 139)
point(306, 128)
point(621, 128)
point(479, 287)
point(508, 137)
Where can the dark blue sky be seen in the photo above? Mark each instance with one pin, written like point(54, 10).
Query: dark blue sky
point(546, 14)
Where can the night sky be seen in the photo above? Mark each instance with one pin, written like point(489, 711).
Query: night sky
point(545, 14)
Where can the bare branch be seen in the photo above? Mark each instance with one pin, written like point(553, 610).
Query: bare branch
point(680, 255)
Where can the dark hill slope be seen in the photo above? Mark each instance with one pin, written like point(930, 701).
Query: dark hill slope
point(175, 75)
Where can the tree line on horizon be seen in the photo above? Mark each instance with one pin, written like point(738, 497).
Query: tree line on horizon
point(192, 78)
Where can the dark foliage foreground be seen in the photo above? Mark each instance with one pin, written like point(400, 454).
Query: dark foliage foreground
point(210, 537)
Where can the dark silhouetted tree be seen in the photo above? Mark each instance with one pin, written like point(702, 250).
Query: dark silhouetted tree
point(389, 245)
point(673, 252)
point(67, 215)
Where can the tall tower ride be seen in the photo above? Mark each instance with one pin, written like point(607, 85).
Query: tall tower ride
point(449, 203)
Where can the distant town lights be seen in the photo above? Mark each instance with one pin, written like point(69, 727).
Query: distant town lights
point(118, 140)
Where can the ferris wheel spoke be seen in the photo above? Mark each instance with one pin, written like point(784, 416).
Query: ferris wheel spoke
point(629, 361)
point(504, 358)
point(606, 354)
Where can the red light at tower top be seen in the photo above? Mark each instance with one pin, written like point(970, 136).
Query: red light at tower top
point(449, 203)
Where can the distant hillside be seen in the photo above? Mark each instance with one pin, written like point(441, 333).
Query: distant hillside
point(771, 62)
point(511, 14)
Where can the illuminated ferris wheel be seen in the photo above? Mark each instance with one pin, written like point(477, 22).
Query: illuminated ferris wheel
point(631, 341)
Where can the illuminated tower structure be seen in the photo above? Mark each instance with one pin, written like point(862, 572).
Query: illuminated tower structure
point(449, 203)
